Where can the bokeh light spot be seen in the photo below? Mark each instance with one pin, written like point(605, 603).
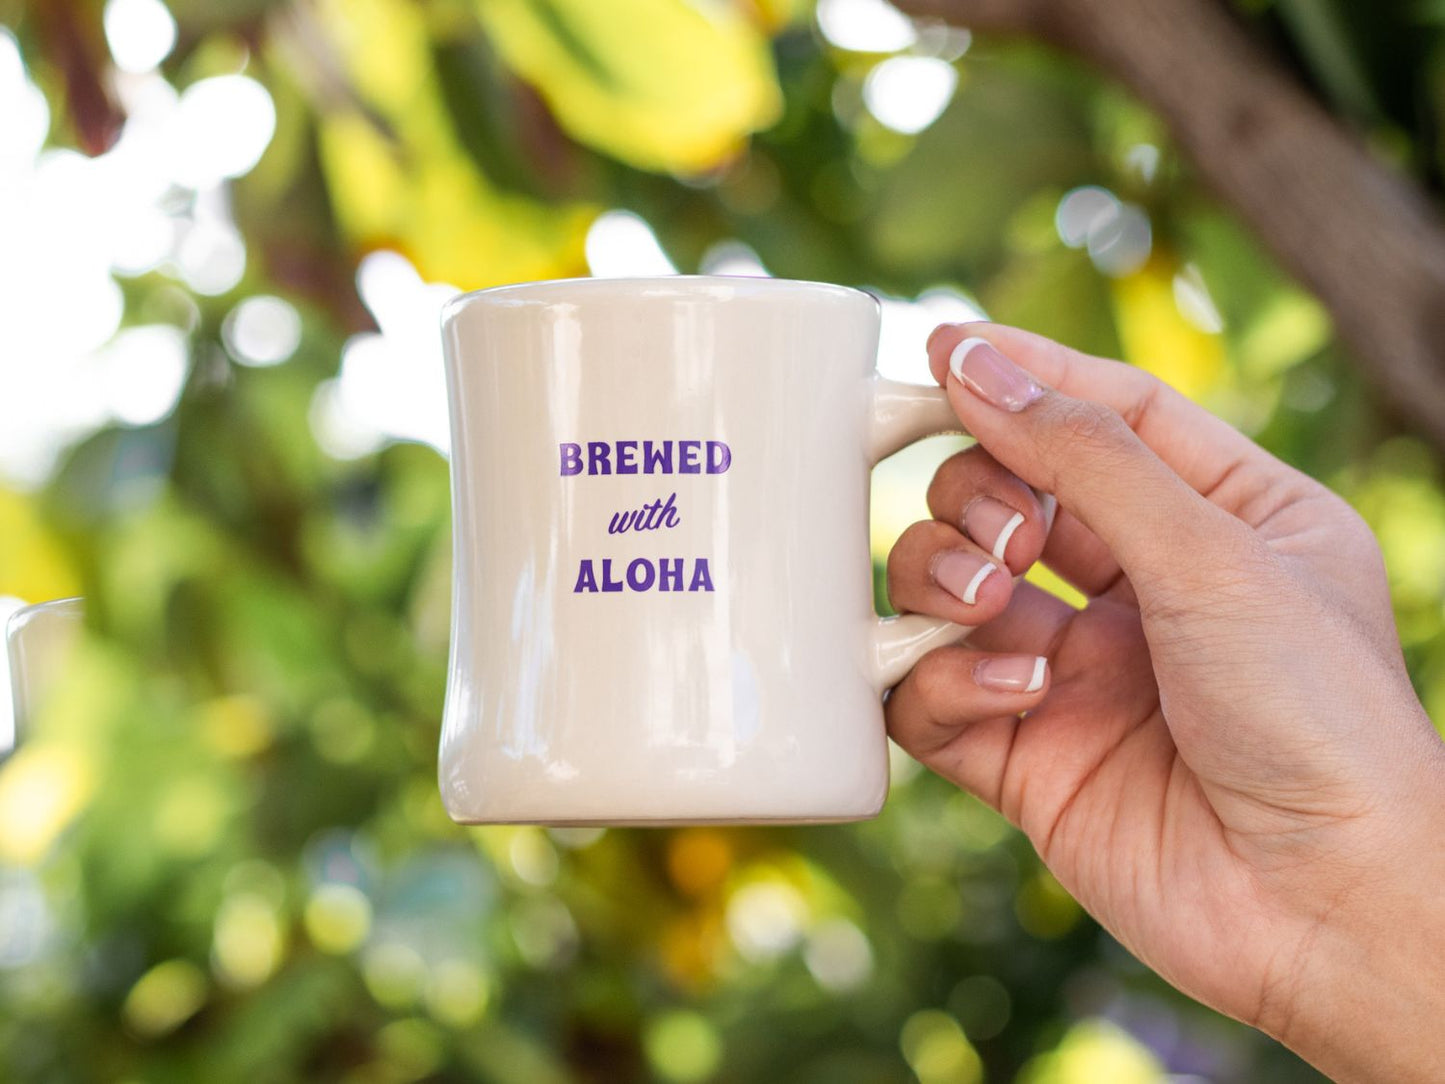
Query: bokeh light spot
point(141, 372)
point(1044, 908)
point(982, 1006)
point(212, 258)
point(262, 330)
point(544, 932)
point(682, 1046)
point(576, 838)
point(1083, 210)
point(732, 258)
point(190, 815)
point(24, 112)
point(246, 945)
point(532, 856)
point(457, 993)
point(236, 726)
point(165, 997)
point(929, 908)
point(936, 1050)
point(223, 126)
point(1122, 245)
point(338, 917)
point(1117, 235)
point(413, 1049)
point(699, 860)
point(765, 919)
point(42, 788)
point(908, 93)
point(394, 973)
point(622, 244)
point(838, 955)
point(343, 730)
point(140, 33)
point(26, 921)
point(1195, 304)
point(1095, 1050)
point(865, 26)
point(391, 385)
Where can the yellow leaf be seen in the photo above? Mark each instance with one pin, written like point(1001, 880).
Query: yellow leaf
point(1157, 337)
point(661, 84)
point(42, 788)
point(414, 187)
point(777, 15)
point(368, 189)
point(32, 565)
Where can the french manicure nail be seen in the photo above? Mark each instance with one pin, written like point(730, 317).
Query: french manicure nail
point(961, 574)
point(1011, 673)
point(991, 376)
point(991, 523)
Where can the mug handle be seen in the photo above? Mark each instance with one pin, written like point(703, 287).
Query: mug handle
point(900, 414)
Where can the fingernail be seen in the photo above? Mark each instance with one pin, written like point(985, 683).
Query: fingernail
point(991, 376)
point(961, 574)
point(1011, 673)
point(991, 523)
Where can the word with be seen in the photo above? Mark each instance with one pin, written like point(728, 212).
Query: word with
point(650, 517)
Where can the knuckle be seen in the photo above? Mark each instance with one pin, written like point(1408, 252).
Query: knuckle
point(1145, 393)
point(939, 489)
point(950, 477)
point(1080, 421)
point(908, 559)
point(917, 541)
point(935, 682)
point(1080, 437)
point(1235, 572)
point(1353, 527)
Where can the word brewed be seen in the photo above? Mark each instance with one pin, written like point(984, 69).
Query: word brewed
point(645, 457)
point(643, 574)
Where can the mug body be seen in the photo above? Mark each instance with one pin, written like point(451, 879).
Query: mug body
point(39, 642)
point(662, 600)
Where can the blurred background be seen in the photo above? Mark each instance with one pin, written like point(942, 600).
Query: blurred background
point(226, 229)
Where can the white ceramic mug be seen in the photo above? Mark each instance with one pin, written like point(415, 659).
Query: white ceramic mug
point(662, 601)
point(39, 640)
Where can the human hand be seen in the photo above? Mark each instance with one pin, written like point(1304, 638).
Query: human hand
point(1223, 759)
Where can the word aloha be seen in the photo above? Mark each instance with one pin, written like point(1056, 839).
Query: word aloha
point(646, 457)
point(643, 574)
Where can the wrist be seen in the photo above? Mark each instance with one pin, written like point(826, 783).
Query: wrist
point(1366, 996)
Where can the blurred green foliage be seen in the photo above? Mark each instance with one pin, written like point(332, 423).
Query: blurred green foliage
point(222, 853)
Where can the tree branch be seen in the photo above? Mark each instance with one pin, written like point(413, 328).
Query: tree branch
point(1365, 240)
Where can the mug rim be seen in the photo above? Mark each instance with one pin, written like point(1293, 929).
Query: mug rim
point(18, 619)
point(528, 292)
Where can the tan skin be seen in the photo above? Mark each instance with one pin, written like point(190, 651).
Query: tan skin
point(1227, 764)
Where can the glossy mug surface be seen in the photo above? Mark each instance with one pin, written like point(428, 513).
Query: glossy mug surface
point(662, 598)
point(39, 641)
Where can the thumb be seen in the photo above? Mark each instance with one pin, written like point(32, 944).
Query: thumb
point(1084, 453)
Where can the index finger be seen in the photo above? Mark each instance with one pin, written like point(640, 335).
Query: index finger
point(1203, 449)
